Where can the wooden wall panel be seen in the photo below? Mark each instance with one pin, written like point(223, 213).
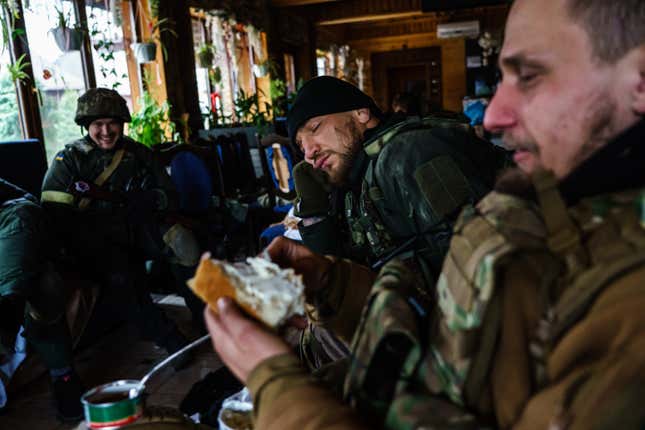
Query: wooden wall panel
point(453, 61)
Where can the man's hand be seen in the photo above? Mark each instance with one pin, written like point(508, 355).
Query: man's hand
point(313, 267)
point(241, 343)
point(312, 189)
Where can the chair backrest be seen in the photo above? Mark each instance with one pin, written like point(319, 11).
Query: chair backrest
point(23, 163)
point(280, 166)
point(192, 180)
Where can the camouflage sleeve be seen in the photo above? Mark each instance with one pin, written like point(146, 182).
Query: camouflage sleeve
point(338, 307)
point(58, 180)
point(286, 397)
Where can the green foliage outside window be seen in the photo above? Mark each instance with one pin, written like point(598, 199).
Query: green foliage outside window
point(9, 120)
point(57, 113)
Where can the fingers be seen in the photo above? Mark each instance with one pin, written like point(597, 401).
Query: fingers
point(283, 251)
point(234, 322)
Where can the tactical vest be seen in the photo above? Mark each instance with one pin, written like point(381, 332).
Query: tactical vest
point(369, 226)
point(579, 251)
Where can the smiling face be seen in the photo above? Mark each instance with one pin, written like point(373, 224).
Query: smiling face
point(331, 142)
point(557, 103)
point(105, 132)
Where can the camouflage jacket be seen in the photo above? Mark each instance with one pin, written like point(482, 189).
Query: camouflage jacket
point(404, 191)
point(83, 161)
point(23, 244)
point(539, 322)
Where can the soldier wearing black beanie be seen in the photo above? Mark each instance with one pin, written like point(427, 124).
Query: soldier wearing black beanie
point(368, 186)
point(325, 95)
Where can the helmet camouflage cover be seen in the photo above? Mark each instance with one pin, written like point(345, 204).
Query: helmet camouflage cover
point(101, 103)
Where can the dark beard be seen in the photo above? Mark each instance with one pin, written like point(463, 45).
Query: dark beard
point(348, 157)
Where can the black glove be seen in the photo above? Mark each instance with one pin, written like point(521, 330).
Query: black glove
point(312, 189)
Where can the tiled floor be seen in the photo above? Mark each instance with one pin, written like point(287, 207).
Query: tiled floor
point(119, 355)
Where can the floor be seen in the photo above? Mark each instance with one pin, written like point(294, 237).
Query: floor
point(118, 355)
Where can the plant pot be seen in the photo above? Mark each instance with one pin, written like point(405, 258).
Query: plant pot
point(205, 59)
point(67, 39)
point(145, 52)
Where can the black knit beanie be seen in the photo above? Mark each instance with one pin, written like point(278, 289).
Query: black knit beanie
point(325, 95)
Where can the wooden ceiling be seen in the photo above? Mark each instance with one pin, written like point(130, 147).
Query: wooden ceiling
point(291, 3)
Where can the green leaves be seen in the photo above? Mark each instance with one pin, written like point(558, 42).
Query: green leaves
point(151, 124)
point(16, 70)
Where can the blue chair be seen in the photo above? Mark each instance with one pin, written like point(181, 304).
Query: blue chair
point(193, 182)
point(23, 163)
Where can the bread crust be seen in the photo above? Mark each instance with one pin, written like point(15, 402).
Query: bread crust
point(211, 282)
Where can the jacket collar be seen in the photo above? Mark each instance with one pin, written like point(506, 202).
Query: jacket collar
point(617, 166)
point(361, 161)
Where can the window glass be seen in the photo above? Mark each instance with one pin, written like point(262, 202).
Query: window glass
point(9, 118)
point(56, 61)
point(108, 51)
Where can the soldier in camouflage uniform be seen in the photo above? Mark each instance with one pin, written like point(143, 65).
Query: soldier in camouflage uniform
point(107, 196)
point(371, 190)
point(29, 282)
point(539, 321)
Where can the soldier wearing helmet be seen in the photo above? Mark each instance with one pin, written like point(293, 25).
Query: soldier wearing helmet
point(108, 197)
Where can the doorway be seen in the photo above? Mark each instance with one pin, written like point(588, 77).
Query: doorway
point(410, 71)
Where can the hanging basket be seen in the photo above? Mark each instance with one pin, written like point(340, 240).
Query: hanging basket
point(145, 52)
point(205, 59)
point(68, 39)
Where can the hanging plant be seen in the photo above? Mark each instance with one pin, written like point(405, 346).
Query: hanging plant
point(67, 38)
point(206, 55)
point(215, 75)
point(147, 50)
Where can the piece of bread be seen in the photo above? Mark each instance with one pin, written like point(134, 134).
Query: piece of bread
point(260, 287)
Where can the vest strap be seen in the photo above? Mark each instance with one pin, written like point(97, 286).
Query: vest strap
point(104, 176)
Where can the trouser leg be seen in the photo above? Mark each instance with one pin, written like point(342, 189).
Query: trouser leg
point(182, 274)
point(128, 292)
point(46, 327)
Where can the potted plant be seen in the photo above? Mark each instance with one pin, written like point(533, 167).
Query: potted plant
point(67, 38)
point(147, 51)
point(206, 55)
point(215, 75)
point(151, 124)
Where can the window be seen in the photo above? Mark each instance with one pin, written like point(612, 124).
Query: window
point(108, 51)
point(9, 117)
point(57, 70)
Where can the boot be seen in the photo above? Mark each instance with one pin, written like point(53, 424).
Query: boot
point(67, 390)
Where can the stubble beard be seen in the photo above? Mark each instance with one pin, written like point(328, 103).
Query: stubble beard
point(347, 156)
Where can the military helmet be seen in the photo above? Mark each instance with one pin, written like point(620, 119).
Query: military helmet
point(101, 103)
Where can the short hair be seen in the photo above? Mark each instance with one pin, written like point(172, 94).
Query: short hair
point(614, 27)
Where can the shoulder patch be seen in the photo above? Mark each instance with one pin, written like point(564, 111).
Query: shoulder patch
point(59, 156)
point(443, 185)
